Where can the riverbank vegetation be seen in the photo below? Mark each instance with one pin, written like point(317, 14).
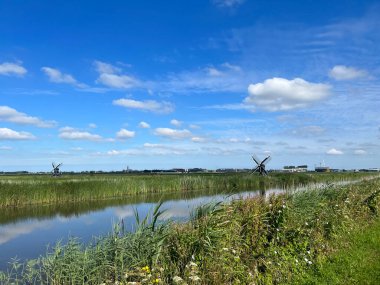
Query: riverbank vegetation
point(281, 239)
point(23, 190)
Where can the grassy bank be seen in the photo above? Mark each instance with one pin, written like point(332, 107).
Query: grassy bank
point(355, 261)
point(24, 190)
point(277, 240)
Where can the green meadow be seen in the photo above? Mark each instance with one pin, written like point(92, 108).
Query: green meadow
point(318, 235)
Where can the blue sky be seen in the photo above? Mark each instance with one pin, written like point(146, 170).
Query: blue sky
point(102, 85)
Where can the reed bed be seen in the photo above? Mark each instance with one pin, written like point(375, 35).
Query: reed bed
point(260, 240)
point(22, 190)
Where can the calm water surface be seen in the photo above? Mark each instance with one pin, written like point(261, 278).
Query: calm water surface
point(27, 232)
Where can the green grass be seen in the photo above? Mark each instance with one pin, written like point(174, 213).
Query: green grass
point(22, 190)
point(355, 261)
point(302, 237)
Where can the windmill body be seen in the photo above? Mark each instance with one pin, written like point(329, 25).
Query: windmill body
point(260, 165)
point(55, 171)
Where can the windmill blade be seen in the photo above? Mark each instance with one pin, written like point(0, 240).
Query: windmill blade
point(266, 173)
point(58, 165)
point(52, 164)
point(257, 168)
point(256, 159)
point(266, 160)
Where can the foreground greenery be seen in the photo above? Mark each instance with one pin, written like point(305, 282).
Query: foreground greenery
point(283, 239)
point(356, 260)
point(23, 190)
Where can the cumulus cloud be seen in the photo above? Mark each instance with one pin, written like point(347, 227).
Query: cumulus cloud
point(111, 76)
point(172, 133)
point(147, 105)
point(176, 123)
point(10, 68)
point(280, 94)
point(57, 76)
point(334, 151)
point(117, 81)
point(342, 72)
point(228, 3)
point(8, 114)
point(125, 134)
point(144, 125)
point(69, 133)
point(9, 134)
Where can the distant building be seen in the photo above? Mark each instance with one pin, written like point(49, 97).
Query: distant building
point(322, 169)
point(292, 168)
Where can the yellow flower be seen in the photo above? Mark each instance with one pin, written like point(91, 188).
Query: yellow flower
point(146, 269)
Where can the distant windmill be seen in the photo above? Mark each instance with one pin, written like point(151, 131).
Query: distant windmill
point(55, 171)
point(261, 165)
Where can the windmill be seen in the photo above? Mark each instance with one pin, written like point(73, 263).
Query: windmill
point(55, 171)
point(261, 165)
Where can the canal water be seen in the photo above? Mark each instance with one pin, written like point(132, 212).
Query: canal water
point(28, 232)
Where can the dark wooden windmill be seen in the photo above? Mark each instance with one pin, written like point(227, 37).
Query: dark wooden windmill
point(260, 167)
point(55, 171)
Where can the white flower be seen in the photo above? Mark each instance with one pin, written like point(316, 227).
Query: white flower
point(177, 279)
point(309, 262)
point(194, 278)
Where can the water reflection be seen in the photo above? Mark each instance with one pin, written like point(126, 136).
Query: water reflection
point(26, 232)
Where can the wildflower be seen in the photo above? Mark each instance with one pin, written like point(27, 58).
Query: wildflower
point(308, 252)
point(156, 281)
point(194, 278)
point(306, 223)
point(146, 269)
point(275, 252)
point(284, 206)
point(270, 205)
point(225, 248)
point(177, 279)
point(193, 264)
point(309, 262)
point(233, 251)
point(296, 260)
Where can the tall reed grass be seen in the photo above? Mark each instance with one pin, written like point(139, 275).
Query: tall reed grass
point(24, 190)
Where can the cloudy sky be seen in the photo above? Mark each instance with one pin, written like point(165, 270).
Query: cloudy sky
point(102, 85)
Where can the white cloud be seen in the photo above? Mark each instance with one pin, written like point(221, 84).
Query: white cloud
point(228, 3)
point(92, 126)
point(147, 105)
point(125, 134)
point(117, 81)
point(224, 78)
point(198, 139)
point(144, 125)
point(280, 94)
point(69, 133)
point(176, 123)
point(342, 72)
point(173, 134)
point(9, 114)
point(9, 68)
point(360, 152)
point(103, 67)
point(57, 76)
point(334, 151)
point(212, 71)
point(231, 66)
point(8, 134)
point(110, 76)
